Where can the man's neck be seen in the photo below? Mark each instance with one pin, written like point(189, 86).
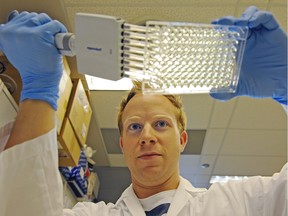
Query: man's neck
point(144, 190)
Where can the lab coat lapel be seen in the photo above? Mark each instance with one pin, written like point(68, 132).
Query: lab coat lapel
point(179, 201)
point(131, 201)
point(183, 194)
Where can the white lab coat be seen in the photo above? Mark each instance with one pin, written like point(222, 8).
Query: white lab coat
point(30, 184)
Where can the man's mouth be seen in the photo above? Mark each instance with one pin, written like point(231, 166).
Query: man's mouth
point(149, 155)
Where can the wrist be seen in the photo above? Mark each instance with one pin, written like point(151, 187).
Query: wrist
point(34, 119)
point(281, 101)
point(43, 87)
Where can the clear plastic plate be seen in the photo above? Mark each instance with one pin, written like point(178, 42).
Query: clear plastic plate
point(184, 58)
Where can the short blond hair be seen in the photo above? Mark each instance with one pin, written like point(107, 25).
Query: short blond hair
point(174, 99)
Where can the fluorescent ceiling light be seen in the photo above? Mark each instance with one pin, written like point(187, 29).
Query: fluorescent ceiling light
point(224, 179)
point(95, 83)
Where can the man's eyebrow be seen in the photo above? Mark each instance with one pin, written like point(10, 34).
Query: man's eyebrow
point(132, 118)
point(163, 117)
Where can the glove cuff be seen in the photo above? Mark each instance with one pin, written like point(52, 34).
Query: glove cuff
point(44, 88)
point(49, 97)
point(280, 95)
point(281, 101)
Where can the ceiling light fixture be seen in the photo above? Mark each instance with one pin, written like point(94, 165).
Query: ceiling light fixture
point(225, 179)
point(205, 165)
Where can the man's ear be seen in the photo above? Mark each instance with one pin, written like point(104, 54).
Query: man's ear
point(121, 143)
point(183, 140)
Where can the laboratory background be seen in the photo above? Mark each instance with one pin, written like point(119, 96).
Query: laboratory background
point(227, 140)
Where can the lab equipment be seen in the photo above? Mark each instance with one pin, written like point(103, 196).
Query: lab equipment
point(168, 57)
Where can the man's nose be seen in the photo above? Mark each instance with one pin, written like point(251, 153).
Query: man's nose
point(147, 135)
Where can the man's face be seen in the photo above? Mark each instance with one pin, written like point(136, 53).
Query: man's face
point(151, 141)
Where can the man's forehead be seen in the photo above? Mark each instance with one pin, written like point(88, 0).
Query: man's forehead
point(142, 99)
point(152, 103)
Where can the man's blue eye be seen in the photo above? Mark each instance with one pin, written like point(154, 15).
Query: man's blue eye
point(135, 126)
point(161, 124)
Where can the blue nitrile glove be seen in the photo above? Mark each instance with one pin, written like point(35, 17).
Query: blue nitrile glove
point(27, 39)
point(264, 68)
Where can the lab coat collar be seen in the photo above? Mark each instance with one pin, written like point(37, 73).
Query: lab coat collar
point(183, 193)
point(131, 201)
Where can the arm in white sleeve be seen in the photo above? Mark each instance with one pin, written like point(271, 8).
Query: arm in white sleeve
point(285, 107)
point(265, 196)
point(30, 183)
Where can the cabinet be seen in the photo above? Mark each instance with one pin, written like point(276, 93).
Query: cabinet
point(8, 107)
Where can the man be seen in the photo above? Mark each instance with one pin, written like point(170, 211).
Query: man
point(152, 132)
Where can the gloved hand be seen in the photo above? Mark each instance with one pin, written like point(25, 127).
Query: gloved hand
point(264, 68)
point(27, 40)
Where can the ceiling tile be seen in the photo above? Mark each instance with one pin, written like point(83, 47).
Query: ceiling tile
point(140, 14)
point(202, 178)
point(213, 141)
point(277, 7)
point(105, 105)
point(284, 2)
point(280, 13)
point(150, 2)
point(242, 7)
point(195, 141)
point(250, 166)
point(252, 2)
point(221, 114)
point(201, 185)
point(259, 114)
point(207, 159)
point(198, 108)
point(199, 181)
point(189, 164)
point(255, 142)
point(198, 176)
